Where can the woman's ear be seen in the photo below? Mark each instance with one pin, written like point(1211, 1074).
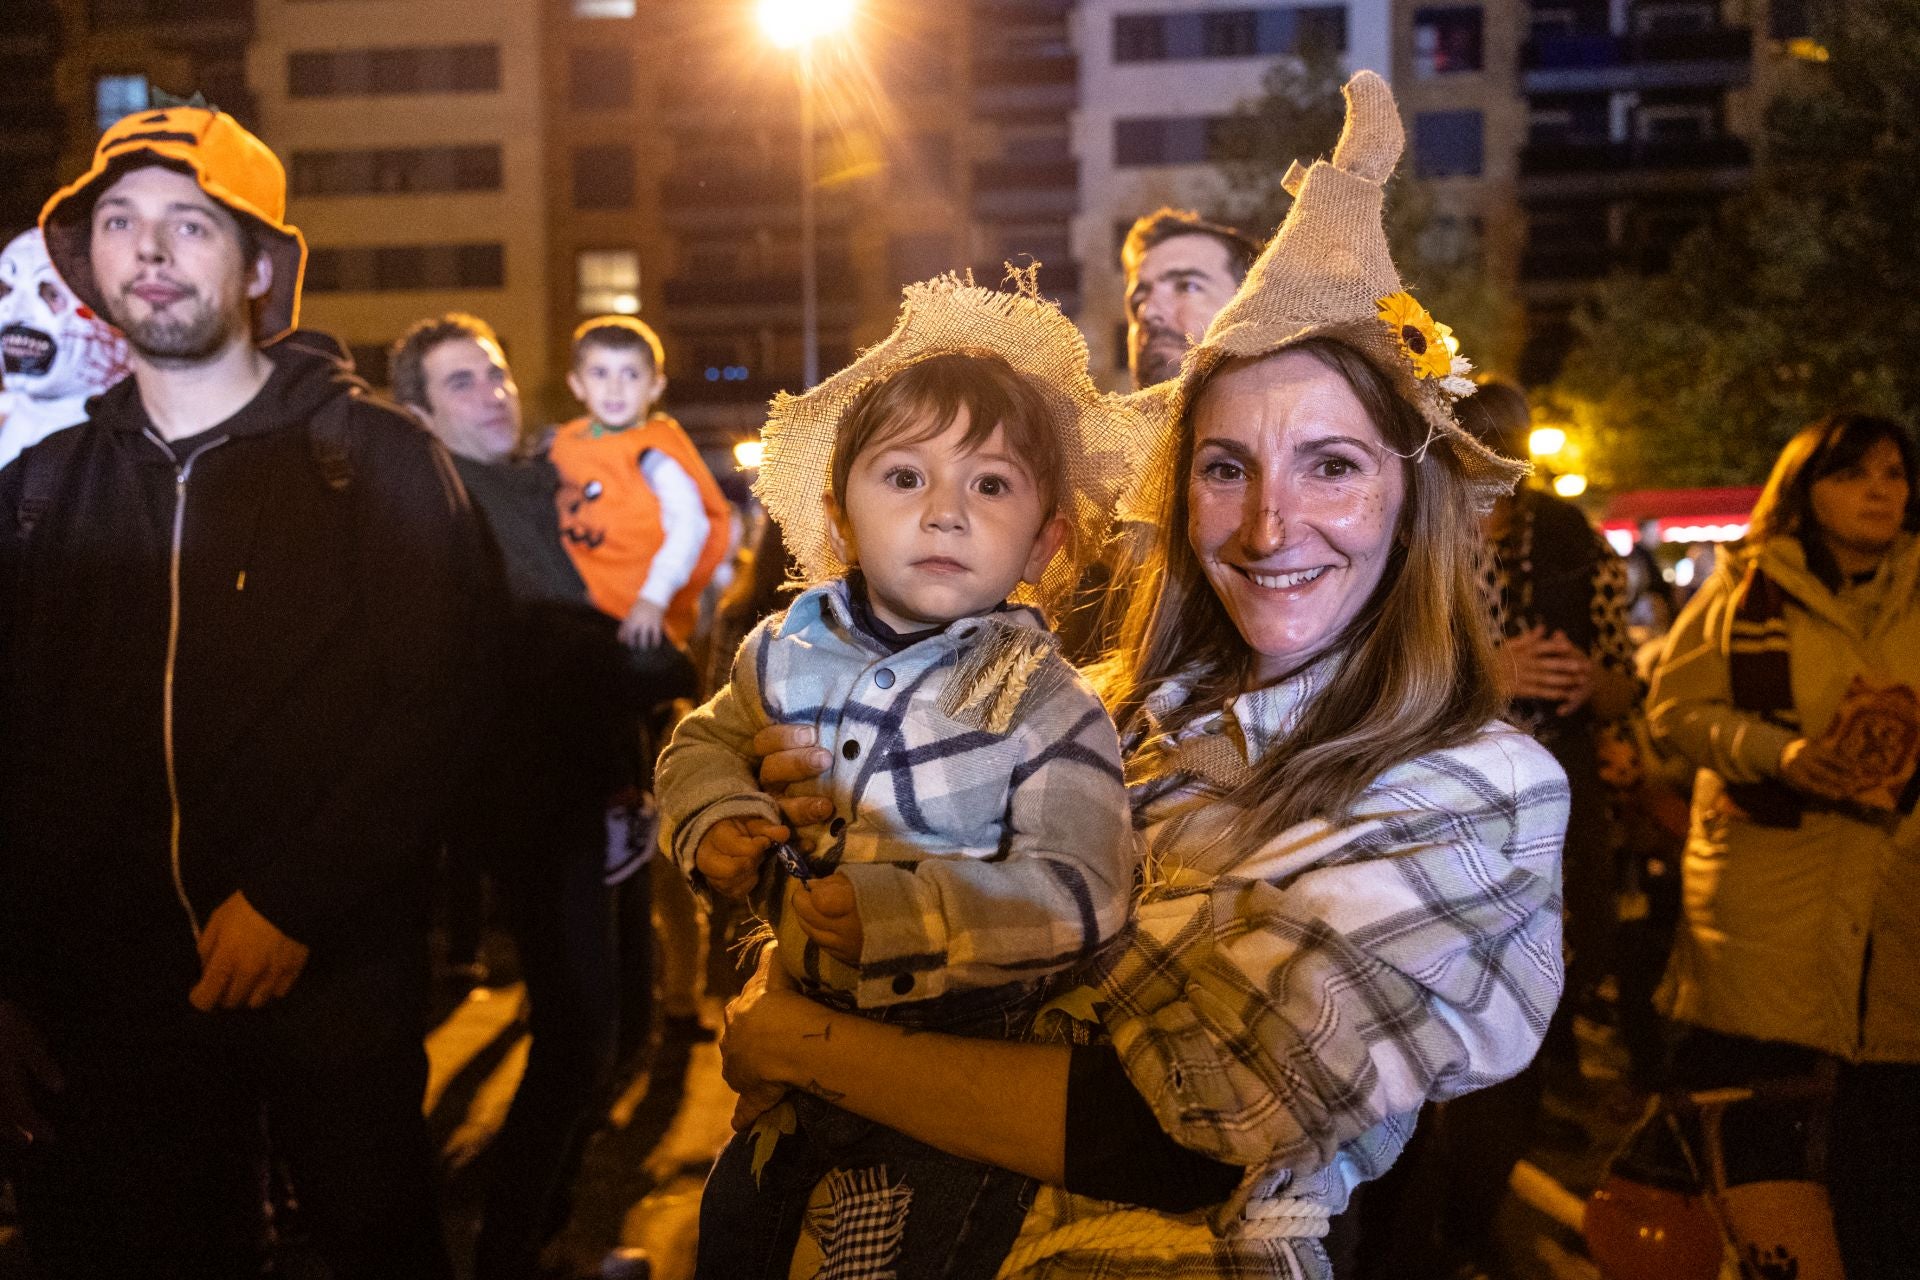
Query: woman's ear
point(1052, 534)
point(840, 532)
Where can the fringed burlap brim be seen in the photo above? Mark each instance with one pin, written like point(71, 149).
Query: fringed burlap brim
point(1104, 437)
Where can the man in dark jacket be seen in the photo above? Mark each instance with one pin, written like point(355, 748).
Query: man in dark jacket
point(568, 707)
point(238, 609)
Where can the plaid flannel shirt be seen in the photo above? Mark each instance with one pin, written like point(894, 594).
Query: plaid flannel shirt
point(1289, 1007)
point(978, 858)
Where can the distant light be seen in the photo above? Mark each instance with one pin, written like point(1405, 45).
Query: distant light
point(1570, 485)
point(1683, 533)
point(747, 454)
point(626, 304)
point(1622, 541)
point(794, 23)
point(1807, 49)
point(1683, 573)
point(1451, 343)
point(1544, 442)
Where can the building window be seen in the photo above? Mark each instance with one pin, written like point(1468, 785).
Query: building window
point(1229, 33)
point(396, 171)
point(1447, 144)
point(606, 281)
point(1139, 38)
point(332, 73)
point(1446, 41)
point(115, 97)
point(603, 177)
point(1151, 140)
point(398, 268)
point(600, 79)
point(603, 8)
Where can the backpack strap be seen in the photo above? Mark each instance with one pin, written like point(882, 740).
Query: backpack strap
point(42, 468)
point(330, 437)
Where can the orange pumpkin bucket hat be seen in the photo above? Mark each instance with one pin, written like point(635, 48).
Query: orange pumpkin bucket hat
point(230, 164)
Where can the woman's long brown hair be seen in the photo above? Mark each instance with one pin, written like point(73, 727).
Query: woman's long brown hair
point(1414, 670)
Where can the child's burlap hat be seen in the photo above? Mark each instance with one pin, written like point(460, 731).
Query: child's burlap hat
point(1327, 273)
point(1104, 438)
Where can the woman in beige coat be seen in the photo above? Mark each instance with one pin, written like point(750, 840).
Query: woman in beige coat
point(1790, 682)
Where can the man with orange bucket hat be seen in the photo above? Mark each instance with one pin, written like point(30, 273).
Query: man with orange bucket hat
point(239, 608)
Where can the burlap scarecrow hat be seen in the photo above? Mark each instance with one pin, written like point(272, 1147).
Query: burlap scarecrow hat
point(1328, 273)
point(229, 164)
point(1104, 438)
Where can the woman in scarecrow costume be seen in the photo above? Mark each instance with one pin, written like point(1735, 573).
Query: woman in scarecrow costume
point(1350, 902)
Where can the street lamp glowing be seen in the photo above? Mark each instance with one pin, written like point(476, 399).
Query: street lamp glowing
point(748, 453)
point(1570, 485)
point(792, 24)
point(1544, 442)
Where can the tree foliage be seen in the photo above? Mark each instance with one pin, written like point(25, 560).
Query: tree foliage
point(1798, 299)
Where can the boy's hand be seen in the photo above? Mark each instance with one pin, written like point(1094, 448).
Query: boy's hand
point(830, 916)
point(644, 625)
point(731, 852)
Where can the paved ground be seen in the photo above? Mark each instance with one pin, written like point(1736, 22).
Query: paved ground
point(643, 1173)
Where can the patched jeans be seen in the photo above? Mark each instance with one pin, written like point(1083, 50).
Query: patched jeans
point(898, 1207)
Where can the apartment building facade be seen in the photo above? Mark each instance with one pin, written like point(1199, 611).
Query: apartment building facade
point(1157, 78)
point(412, 131)
point(70, 68)
point(941, 143)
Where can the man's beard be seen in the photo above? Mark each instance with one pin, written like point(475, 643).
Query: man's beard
point(1159, 358)
point(177, 335)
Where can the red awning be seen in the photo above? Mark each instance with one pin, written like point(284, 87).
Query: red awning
point(1691, 506)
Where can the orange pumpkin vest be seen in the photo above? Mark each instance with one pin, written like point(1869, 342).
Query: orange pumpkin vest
point(610, 515)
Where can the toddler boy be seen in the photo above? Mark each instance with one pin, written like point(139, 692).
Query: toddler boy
point(982, 840)
point(640, 513)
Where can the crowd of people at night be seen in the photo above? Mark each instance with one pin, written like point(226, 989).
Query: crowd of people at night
point(1172, 833)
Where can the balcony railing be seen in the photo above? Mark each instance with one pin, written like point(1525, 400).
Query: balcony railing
point(1546, 159)
point(120, 13)
point(1598, 62)
point(729, 190)
point(835, 278)
point(1594, 50)
point(997, 71)
point(1003, 190)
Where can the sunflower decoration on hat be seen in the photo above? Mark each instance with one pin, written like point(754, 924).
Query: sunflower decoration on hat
point(1104, 438)
point(1327, 273)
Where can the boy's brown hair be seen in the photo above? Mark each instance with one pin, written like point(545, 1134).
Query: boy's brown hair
point(619, 333)
point(922, 400)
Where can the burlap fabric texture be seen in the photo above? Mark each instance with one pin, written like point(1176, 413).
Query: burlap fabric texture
point(1104, 437)
point(1324, 274)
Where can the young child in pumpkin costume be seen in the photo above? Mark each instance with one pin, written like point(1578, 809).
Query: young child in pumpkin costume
point(641, 515)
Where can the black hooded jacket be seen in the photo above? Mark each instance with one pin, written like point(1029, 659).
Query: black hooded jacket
point(302, 692)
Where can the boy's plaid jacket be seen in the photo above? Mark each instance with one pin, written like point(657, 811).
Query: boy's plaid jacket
point(981, 852)
point(1287, 1005)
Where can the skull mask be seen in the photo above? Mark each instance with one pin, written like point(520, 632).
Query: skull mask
point(54, 348)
